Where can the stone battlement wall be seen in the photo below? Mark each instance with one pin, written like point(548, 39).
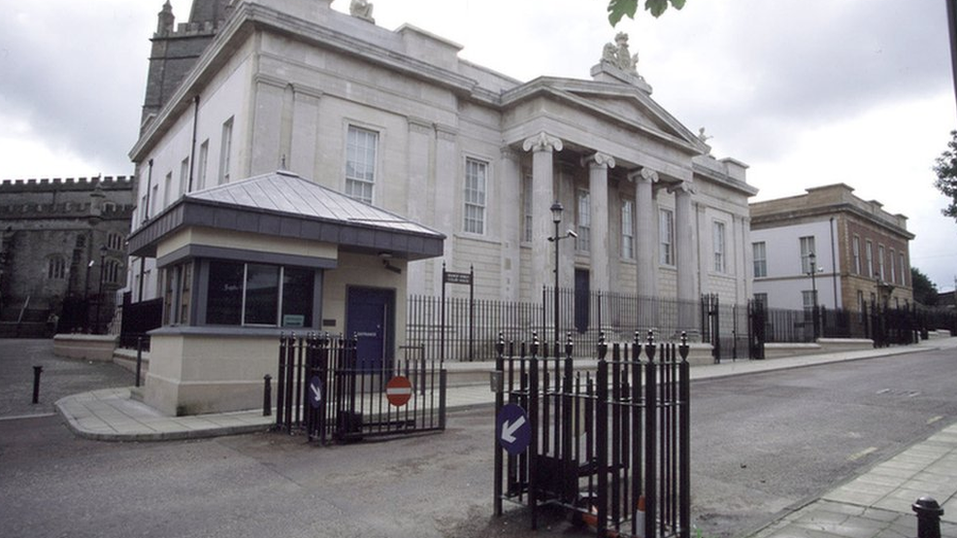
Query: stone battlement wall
point(60, 184)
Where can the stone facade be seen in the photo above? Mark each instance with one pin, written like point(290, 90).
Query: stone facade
point(475, 155)
point(51, 234)
point(862, 251)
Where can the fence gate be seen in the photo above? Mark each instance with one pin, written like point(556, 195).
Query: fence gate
point(613, 448)
point(324, 392)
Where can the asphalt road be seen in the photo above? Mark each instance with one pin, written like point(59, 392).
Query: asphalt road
point(761, 443)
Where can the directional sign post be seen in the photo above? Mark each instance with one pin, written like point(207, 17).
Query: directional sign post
point(398, 390)
point(512, 429)
point(315, 392)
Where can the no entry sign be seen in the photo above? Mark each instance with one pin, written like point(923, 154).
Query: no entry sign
point(398, 390)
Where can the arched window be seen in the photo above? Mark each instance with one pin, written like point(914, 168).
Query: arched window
point(56, 267)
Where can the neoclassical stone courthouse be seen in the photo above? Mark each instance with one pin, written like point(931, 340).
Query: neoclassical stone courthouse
point(396, 119)
point(460, 164)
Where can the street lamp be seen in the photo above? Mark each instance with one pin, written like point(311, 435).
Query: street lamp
point(812, 258)
point(99, 293)
point(557, 211)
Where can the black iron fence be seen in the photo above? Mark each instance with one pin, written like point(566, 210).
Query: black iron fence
point(326, 393)
point(137, 319)
point(612, 449)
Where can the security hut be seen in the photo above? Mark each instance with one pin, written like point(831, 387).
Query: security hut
point(242, 262)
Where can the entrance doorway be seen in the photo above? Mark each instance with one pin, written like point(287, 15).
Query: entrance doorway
point(371, 319)
point(582, 299)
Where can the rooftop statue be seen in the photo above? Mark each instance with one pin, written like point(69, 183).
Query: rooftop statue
point(361, 9)
point(617, 54)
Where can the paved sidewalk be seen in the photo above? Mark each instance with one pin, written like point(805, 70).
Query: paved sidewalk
point(876, 504)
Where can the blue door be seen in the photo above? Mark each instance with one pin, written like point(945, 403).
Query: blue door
point(371, 320)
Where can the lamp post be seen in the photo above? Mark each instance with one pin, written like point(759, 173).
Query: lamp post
point(99, 293)
point(557, 211)
point(816, 324)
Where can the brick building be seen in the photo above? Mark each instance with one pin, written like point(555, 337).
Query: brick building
point(860, 251)
point(62, 250)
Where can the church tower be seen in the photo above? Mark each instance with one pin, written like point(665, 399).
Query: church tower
point(176, 49)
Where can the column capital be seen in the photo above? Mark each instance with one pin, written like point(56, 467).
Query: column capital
point(644, 174)
point(686, 187)
point(542, 142)
point(599, 160)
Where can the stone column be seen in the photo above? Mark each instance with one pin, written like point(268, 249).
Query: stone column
point(646, 234)
point(542, 147)
point(686, 259)
point(598, 165)
point(513, 218)
point(447, 167)
point(419, 208)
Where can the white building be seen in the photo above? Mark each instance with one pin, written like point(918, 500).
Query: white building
point(397, 120)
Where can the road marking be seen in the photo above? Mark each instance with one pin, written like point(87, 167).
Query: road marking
point(932, 420)
point(21, 417)
point(862, 453)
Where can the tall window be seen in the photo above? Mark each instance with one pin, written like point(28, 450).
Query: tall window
point(807, 248)
point(880, 261)
point(527, 208)
point(627, 229)
point(760, 259)
point(869, 258)
point(56, 268)
point(856, 246)
point(203, 161)
point(361, 147)
point(903, 269)
point(666, 237)
point(893, 264)
point(225, 150)
point(583, 243)
point(183, 176)
point(476, 176)
point(718, 242)
point(168, 190)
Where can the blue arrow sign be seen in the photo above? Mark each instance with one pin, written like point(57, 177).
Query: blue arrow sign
point(512, 429)
point(315, 392)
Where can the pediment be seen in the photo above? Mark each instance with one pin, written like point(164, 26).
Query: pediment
point(615, 102)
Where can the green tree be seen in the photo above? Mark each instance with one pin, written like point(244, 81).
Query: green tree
point(946, 170)
point(925, 291)
point(619, 8)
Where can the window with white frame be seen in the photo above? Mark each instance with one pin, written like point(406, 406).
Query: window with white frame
point(856, 252)
point(225, 149)
point(807, 298)
point(628, 229)
point(903, 269)
point(718, 246)
point(183, 176)
point(476, 180)
point(527, 208)
point(666, 237)
point(153, 200)
point(168, 190)
point(583, 242)
point(880, 261)
point(760, 251)
point(203, 162)
point(807, 248)
point(361, 148)
point(869, 258)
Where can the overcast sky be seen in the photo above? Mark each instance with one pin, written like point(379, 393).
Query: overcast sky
point(807, 92)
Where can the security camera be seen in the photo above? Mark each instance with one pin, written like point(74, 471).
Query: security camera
point(572, 234)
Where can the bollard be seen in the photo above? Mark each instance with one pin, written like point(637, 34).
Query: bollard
point(267, 395)
point(139, 358)
point(928, 517)
point(37, 370)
